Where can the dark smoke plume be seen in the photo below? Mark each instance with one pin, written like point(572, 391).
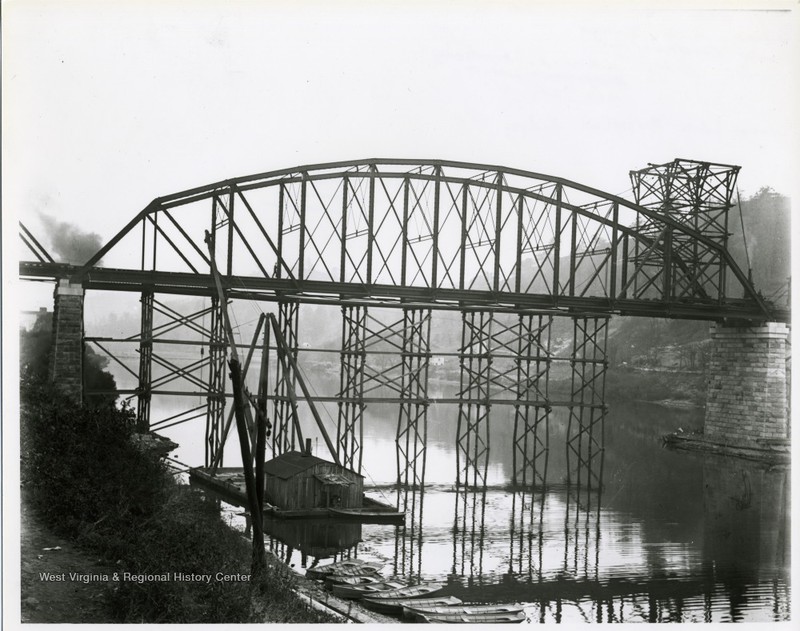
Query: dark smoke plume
point(69, 243)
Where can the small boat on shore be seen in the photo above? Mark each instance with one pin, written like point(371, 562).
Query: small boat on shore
point(359, 591)
point(339, 579)
point(366, 569)
point(398, 605)
point(344, 567)
point(477, 618)
point(412, 610)
point(411, 591)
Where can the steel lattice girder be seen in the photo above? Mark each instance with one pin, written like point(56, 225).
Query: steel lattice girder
point(453, 231)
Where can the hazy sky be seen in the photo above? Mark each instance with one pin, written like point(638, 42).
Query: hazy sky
point(106, 107)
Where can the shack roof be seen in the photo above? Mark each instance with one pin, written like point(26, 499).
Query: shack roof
point(293, 462)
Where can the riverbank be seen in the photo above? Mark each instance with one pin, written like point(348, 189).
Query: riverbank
point(133, 545)
point(44, 556)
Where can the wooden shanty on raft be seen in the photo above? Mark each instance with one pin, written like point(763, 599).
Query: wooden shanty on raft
point(299, 484)
point(298, 480)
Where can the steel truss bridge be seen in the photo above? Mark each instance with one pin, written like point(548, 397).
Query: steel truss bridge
point(508, 250)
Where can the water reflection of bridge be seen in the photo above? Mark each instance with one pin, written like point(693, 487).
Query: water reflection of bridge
point(564, 555)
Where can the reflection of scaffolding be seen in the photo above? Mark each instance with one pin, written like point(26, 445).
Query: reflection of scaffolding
point(526, 537)
point(468, 534)
point(408, 540)
point(582, 521)
point(284, 434)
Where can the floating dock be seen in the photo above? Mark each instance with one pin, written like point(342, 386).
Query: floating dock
point(228, 483)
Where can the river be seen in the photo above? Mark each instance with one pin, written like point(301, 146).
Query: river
point(667, 536)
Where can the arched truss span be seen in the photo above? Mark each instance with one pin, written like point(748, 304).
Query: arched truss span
point(436, 233)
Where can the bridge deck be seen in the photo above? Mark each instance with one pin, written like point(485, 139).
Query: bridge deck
point(324, 292)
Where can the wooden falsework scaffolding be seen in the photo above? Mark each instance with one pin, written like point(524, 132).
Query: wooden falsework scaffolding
point(145, 363)
point(502, 355)
point(585, 430)
point(217, 349)
point(393, 357)
point(284, 435)
point(350, 429)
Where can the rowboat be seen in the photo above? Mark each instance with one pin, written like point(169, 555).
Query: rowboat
point(478, 618)
point(359, 591)
point(339, 579)
point(396, 605)
point(343, 567)
point(411, 591)
point(414, 610)
point(367, 569)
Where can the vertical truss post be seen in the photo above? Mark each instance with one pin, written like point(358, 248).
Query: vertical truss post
point(531, 422)
point(349, 427)
point(587, 408)
point(145, 363)
point(215, 407)
point(472, 435)
point(284, 433)
point(412, 423)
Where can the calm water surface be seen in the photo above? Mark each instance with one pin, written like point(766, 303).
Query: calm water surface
point(668, 536)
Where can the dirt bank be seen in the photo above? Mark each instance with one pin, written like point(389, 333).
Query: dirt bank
point(44, 557)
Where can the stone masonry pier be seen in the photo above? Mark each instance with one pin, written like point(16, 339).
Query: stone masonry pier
point(66, 359)
point(746, 404)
